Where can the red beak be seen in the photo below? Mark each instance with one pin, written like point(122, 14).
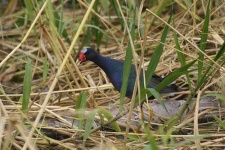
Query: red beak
point(81, 58)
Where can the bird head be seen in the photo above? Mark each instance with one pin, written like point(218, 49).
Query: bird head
point(86, 54)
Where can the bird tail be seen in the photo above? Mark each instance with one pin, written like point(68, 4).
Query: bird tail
point(170, 89)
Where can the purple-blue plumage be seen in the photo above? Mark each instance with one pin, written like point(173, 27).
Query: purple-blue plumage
point(114, 70)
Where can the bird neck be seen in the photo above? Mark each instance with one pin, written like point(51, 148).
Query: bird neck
point(106, 63)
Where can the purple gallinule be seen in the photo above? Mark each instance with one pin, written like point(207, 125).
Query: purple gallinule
point(114, 70)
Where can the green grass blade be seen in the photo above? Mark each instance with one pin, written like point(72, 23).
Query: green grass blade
point(103, 112)
point(80, 108)
point(158, 98)
point(88, 126)
point(45, 69)
point(182, 60)
point(147, 147)
point(29, 9)
point(217, 95)
point(166, 81)
point(204, 36)
point(156, 55)
point(60, 25)
point(98, 29)
point(21, 20)
point(126, 70)
point(152, 142)
point(179, 53)
point(60, 22)
point(95, 19)
point(116, 8)
point(220, 53)
point(168, 126)
point(174, 75)
point(27, 85)
point(105, 5)
point(56, 21)
point(160, 7)
point(220, 122)
point(208, 72)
